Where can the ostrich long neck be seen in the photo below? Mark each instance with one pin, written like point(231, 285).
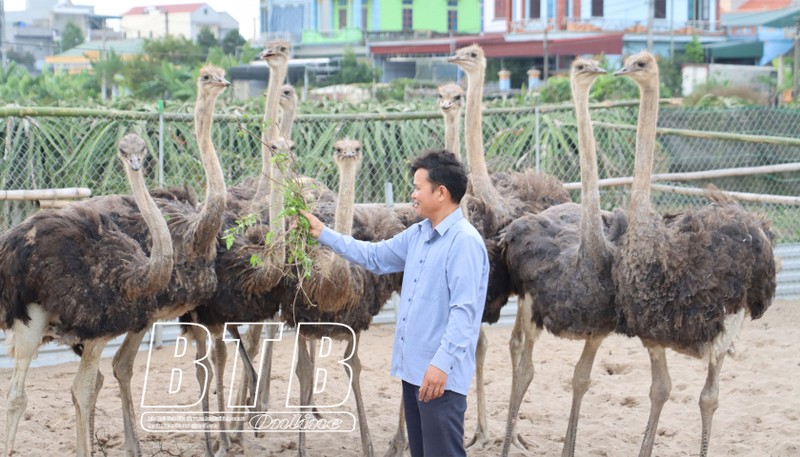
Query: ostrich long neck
point(270, 129)
point(645, 150)
point(452, 141)
point(276, 223)
point(210, 220)
point(592, 239)
point(288, 121)
point(473, 135)
point(159, 267)
point(343, 218)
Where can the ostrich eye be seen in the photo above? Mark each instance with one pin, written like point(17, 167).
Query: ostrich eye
point(580, 67)
point(640, 64)
point(358, 149)
point(292, 148)
point(282, 49)
point(205, 77)
point(439, 96)
point(474, 55)
point(457, 98)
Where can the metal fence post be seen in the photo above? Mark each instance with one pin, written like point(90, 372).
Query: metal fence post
point(537, 146)
point(158, 335)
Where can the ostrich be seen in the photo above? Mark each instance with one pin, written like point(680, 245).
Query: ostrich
point(194, 235)
point(288, 104)
point(342, 292)
point(451, 100)
point(687, 281)
point(523, 193)
point(566, 244)
point(73, 276)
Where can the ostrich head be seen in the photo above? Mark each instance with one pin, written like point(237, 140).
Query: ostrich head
point(347, 149)
point(132, 150)
point(288, 96)
point(276, 53)
point(641, 67)
point(586, 70)
point(469, 59)
point(281, 145)
point(450, 96)
point(212, 80)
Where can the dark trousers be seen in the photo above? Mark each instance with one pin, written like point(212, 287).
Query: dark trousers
point(435, 428)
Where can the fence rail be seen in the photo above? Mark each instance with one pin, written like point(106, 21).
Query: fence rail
point(60, 147)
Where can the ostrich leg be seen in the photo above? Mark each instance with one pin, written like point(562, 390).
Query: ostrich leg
point(122, 366)
point(305, 377)
point(220, 356)
point(203, 372)
point(659, 393)
point(580, 384)
point(523, 336)
point(709, 399)
point(355, 367)
point(27, 339)
point(481, 437)
point(83, 392)
point(398, 444)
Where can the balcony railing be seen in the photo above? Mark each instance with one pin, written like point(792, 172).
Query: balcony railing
point(602, 24)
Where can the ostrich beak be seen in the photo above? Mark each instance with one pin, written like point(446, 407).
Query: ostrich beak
point(266, 53)
point(454, 59)
point(622, 71)
point(599, 71)
point(135, 163)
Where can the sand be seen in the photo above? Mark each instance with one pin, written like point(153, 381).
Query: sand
point(758, 415)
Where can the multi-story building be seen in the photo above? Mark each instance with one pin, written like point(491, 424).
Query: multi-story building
point(177, 20)
point(38, 28)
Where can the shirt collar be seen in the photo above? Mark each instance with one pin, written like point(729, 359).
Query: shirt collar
point(443, 226)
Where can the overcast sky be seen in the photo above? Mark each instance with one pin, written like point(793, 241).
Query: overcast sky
point(244, 11)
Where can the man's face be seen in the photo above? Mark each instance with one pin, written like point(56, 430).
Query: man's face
point(427, 198)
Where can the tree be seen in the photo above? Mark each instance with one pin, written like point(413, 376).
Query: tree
point(206, 40)
point(25, 59)
point(232, 41)
point(71, 36)
point(176, 50)
point(694, 51)
point(353, 71)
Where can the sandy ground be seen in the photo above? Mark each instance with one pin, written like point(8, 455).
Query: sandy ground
point(758, 415)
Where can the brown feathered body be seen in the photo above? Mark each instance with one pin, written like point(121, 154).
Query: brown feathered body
point(678, 277)
point(571, 288)
point(79, 265)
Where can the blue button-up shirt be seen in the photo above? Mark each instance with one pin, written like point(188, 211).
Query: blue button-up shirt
point(446, 271)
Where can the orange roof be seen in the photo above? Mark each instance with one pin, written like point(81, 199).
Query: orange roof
point(763, 5)
point(184, 8)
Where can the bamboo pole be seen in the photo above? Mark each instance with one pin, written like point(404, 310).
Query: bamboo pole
point(693, 175)
point(708, 135)
point(46, 194)
point(744, 196)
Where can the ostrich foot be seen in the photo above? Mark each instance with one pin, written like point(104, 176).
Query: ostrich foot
point(397, 447)
point(478, 441)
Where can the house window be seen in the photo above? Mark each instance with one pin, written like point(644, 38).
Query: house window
point(452, 3)
point(499, 9)
point(408, 16)
point(342, 18)
point(661, 9)
point(597, 8)
point(452, 20)
point(535, 9)
point(364, 18)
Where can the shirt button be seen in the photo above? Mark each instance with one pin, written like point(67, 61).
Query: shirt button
point(415, 280)
point(401, 338)
point(404, 319)
point(420, 261)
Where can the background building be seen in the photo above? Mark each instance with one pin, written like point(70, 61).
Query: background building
point(177, 20)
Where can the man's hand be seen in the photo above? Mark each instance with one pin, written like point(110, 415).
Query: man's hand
point(316, 224)
point(432, 384)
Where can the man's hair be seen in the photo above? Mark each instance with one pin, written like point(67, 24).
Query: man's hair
point(444, 169)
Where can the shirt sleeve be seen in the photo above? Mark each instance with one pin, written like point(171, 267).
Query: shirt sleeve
point(466, 267)
point(387, 256)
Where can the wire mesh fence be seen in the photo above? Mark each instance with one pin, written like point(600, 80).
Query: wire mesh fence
point(55, 148)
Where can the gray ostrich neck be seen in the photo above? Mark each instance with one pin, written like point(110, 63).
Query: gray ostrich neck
point(343, 218)
point(592, 239)
point(269, 128)
point(287, 122)
point(452, 141)
point(276, 223)
point(645, 151)
point(210, 220)
point(473, 136)
point(159, 266)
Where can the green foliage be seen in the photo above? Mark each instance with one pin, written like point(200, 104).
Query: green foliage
point(353, 71)
point(232, 41)
point(694, 51)
point(248, 220)
point(25, 59)
point(206, 40)
point(176, 50)
point(556, 89)
point(71, 36)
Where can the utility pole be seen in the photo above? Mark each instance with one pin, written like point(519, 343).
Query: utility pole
point(650, 16)
point(166, 23)
point(2, 35)
point(546, 71)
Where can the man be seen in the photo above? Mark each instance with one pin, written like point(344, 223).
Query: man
point(446, 271)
